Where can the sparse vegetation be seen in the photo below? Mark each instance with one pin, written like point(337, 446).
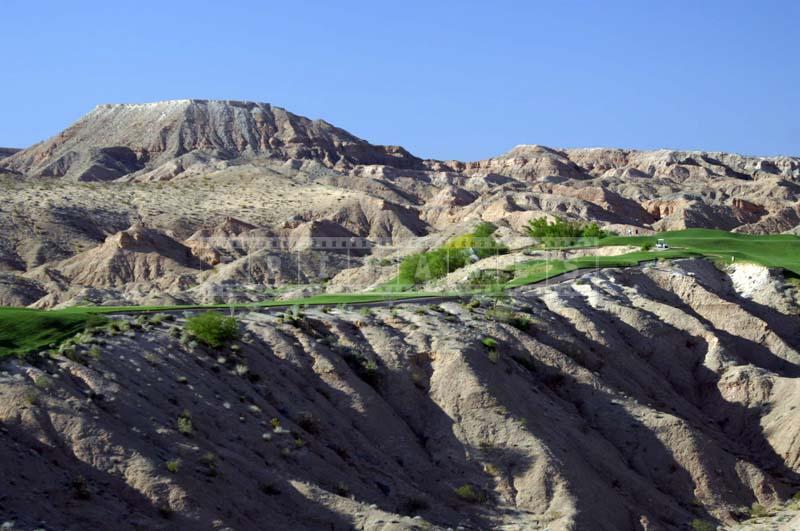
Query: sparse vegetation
point(24, 331)
point(455, 254)
point(702, 525)
point(519, 321)
point(468, 493)
point(758, 511)
point(42, 382)
point(489, 342)
point(173, 465)
point(212, 329)
point(561, 233)
point(185, 423)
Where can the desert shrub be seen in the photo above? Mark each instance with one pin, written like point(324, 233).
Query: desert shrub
point(563, 233)
point(758, 511)
point(455, 254)
point(489, 277)
point(42, 382)
point(185, 423)
point(484, 229)
point(212, 328)
point(489, 342)
point(173, 465)
point(159, 318)
point(517, 320)
point(702, 525)
point(491, 469)
point(365, 368)
point(468, 493)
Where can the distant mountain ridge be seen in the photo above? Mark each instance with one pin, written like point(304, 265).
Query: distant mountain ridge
point(167, 137)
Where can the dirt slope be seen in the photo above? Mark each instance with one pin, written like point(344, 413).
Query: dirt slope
point(631, 399)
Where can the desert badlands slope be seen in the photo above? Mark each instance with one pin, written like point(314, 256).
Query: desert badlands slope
point(657, 397)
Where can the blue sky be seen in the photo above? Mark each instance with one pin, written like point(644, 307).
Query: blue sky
point(445, 79)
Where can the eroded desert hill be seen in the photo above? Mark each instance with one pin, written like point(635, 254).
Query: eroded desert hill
point(159, 140)
point(644, 398)
point(638, 399)
point(182, 168)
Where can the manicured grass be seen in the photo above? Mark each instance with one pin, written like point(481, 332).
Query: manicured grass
point(772, 250)
point(539, 270)
point(315, 300)
point(23, 331)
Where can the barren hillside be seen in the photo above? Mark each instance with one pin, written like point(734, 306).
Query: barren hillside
point(656, 397)
point(633, 399)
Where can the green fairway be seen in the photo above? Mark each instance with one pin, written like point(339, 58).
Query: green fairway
point(539, 270)
point(23, 331)
point(772, 250)
point(314, 300)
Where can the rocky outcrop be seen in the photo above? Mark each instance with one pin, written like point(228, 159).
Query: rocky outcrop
point(18, 291)
point(134, 256)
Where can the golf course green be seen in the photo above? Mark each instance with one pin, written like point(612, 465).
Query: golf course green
point(23, 331)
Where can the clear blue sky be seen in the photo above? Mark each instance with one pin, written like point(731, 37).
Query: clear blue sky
point(445, 79)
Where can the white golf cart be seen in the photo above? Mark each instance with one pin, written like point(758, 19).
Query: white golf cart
point(661, 244)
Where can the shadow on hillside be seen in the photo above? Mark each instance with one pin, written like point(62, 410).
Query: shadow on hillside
point(421, 480)
point(750, 440)
point(55, 486)
point(747, 350)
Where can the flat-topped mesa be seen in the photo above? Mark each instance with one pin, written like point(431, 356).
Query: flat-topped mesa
point(118, 140)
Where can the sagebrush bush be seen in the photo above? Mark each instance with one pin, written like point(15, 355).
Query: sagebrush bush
point(185, 423)
point(213, 329)
point(702, 525)
point(173, 465)
point(468, 493)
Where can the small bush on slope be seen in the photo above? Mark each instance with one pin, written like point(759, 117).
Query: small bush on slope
point(213, 329)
